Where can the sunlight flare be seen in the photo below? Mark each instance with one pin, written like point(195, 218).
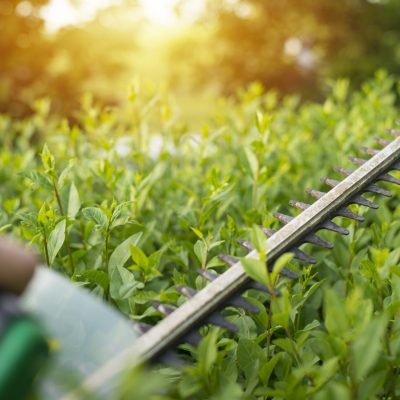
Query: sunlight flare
point(165, 13)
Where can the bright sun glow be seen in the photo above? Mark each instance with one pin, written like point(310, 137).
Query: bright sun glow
point(60, 13)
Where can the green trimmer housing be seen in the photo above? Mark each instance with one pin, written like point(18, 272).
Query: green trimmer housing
point(23, 349)
point(84, 333)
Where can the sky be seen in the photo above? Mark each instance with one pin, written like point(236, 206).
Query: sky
point(60, 13)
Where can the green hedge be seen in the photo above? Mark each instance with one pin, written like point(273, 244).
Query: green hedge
point(131, 202)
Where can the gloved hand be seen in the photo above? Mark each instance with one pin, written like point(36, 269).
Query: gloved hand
point(17, 266)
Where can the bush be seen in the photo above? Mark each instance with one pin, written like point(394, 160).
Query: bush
point(130, 203)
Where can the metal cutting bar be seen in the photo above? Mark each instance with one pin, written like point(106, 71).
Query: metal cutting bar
point(169, 330)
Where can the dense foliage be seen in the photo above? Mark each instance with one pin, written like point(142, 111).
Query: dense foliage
point(131, 202)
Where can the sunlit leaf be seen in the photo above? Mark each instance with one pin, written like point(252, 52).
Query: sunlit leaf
point(56, 240)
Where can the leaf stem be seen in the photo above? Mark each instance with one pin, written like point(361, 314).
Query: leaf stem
point(67, 242)
point(46, 249)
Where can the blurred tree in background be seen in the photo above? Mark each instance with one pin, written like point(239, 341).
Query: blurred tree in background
point(293, 45)
point(92, 59)
point(23, 52)
point(63, 66)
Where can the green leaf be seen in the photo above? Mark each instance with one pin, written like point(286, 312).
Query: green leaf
point(96, 215)
point(200, 249)
point(335, 314)
point(117, 213)
point(259, 241)
point(207, 353)
point(62, 180)
point(256, 269)
point(123, 284)
point(139, 257)
point(268, 367)
point(5, 227)
point(197, 232)
point(214, 262)
point(252, 161)
point(47, 159)
point(326, 372)
point(37, 178)
point(367, 347)
point(281, 263)
point(247, 353)
point(215, 244)
point(56, 240)
point(228, 391)
point(74, 202)
point(262, 122)
point(288, 345)
point(98, 277)
point(121, 253)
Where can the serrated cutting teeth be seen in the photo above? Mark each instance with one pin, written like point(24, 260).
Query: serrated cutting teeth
point(208, 274)
point(393, 132)
point(214, 319)
point(299, 205)
point(330, 182)
point(389, 178)
point(313, 239)
point(193, 338)
point(268, 231)
point(373, 152)
point(315, 193)
point(371, 188)
point(344, 212)
point(288, 273)
point(242, 303)
point(211, 275)
point(230, 260)
point(236, 301)
point(357, 199)
point(246, 244)
point(283, 217)
point(344, 171)
point(141, 327)
point(357, 161)
point(331, 226)
point(328, 225)
point(369, 151)
point(341, 212)
point(164, 309)
point(317, 241)
point(298, 254)
point(218, 320)
point(383, 177)
point(382, 142)
point(361, 161)
point(395, 167)
point(378, 190)
point(285, 271)
point(169, 357)
point(186, 291)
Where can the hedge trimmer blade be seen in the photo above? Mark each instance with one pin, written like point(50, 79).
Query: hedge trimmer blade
point(204, 307)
